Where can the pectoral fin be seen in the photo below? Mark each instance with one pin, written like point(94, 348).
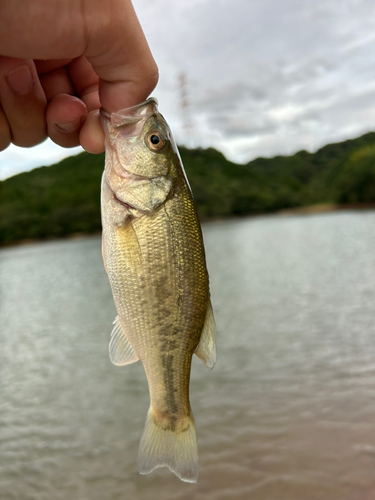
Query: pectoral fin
point(206, 349)
point(120, 350)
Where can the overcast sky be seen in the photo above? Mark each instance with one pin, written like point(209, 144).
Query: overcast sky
point(264, 77)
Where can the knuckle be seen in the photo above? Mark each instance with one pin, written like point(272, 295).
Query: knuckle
point(4, 143)
point(5, 134)
point(151, 79)
point(5, 138)
point(66, 142)
point(27, 141)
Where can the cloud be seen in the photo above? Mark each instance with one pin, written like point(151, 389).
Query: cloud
point(264, 77)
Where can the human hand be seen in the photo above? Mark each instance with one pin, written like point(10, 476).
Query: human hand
point(60, 61)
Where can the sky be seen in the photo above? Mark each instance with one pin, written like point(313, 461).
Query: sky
point(263, 77)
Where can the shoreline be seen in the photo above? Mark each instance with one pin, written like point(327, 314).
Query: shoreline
point(285, 212)
point(31, 241)
point(319, 208)
point(326, 207)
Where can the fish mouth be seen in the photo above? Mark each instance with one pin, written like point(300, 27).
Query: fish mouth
point(134, 114)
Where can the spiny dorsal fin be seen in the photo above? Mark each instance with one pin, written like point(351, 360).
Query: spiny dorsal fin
point(206, 349)
point(120, 350)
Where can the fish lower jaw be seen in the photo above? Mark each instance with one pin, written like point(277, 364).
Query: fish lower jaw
point(123, 203)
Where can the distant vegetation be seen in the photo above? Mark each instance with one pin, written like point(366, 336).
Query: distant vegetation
point(65, 198)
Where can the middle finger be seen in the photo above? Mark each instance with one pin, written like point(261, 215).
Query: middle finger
point(23, 101)
point(56, 82)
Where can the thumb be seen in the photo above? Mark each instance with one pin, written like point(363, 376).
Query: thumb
point(120, 56)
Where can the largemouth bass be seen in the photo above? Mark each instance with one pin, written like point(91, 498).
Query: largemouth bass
point(154, 257)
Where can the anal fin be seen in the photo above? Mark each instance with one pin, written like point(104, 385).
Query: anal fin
point(120, 349)
point(206, 349)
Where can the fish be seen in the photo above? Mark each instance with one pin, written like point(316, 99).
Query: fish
point(154, 256)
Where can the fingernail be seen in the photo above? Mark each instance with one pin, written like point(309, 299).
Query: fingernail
point(70, 127)
point(20, 80)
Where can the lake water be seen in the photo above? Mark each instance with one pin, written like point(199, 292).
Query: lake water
point(288, 413)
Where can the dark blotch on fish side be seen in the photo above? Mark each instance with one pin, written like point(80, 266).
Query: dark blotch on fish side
point(168, 376)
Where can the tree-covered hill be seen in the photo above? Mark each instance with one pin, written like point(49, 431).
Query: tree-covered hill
point(65, 198)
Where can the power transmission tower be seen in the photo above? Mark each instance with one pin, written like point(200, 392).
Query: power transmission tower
point(187, 125)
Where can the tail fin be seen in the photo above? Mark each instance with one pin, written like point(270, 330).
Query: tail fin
point(169, 446)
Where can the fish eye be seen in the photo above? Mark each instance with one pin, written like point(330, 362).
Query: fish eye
point(156, 141)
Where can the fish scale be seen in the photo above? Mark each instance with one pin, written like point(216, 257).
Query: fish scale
point(155, 260)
